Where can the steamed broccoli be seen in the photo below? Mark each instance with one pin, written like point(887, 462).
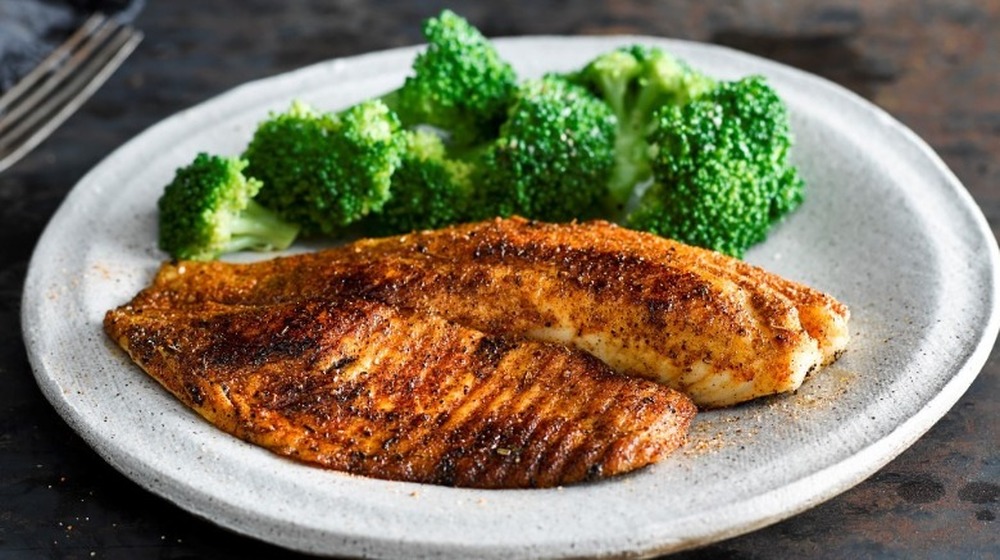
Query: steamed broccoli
point(208, 210)
point(325, 170)
point(722, 175)
point(636, 81)
point(429, 188)
point(553, 156)
point(459, 83)
point(463, 139)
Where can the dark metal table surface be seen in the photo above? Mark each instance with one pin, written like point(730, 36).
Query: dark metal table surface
point(933, 64)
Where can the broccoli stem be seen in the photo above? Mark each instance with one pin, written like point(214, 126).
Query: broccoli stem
point(631, 167)
point(258, 228)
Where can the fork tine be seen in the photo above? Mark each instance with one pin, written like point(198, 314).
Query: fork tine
point(73, 58)
point(90, 51)
point(90, 56)
point(55, 58)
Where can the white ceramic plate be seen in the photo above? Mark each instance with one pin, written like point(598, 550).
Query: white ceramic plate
point(886, 228)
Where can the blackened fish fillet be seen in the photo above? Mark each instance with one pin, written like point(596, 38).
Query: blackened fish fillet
point(365, 388)
point(719, 329)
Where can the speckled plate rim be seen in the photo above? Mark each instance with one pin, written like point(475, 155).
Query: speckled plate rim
point(892, 386)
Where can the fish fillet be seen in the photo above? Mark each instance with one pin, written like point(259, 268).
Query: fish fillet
point(365, 388)
point(719, 329)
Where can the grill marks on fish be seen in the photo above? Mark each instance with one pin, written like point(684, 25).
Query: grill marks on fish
point(480, 355)
point(359, 386)
point(715, 327)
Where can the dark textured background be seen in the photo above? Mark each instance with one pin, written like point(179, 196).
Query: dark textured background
point(935, 65)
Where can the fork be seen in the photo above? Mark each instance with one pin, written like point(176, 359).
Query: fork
point(35, 106)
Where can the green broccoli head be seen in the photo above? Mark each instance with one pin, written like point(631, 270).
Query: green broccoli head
point(554, 155)
point(459, 82)
point(325, 170)
point(429, 188)
point(722, 175)
point(208, 209)
point(635, 81)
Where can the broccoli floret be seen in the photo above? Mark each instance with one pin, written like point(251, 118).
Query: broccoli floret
point(554, 154)
point(429, 188)
point(459, 84)
point(325, 170)
point(722, 175)
point(636, 81)
point(208, 209)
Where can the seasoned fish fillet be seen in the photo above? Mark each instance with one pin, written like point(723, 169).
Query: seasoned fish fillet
point(714, 327)
point(361, 387)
